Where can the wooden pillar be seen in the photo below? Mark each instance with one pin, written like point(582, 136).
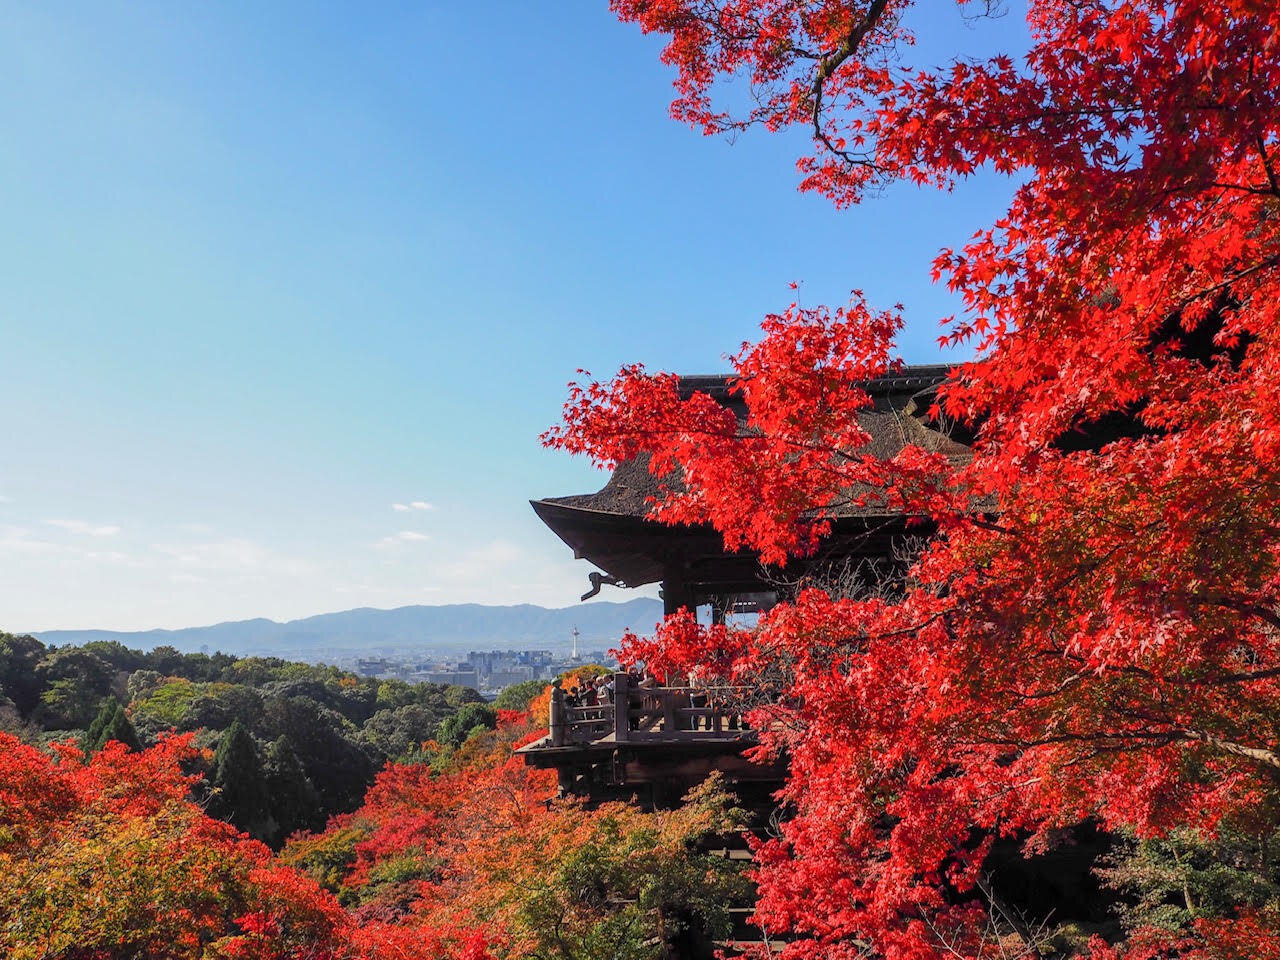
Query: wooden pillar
point(558, 722)
point(621, 704)
point(566, 781)
point(676, 592)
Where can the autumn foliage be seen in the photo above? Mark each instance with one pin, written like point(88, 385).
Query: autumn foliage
point(108, 857)
point(472, 855)
point(1093, 632)
point(1090, 638)
point(464, 858)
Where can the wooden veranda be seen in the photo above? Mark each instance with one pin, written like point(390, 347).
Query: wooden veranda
point(651, 743)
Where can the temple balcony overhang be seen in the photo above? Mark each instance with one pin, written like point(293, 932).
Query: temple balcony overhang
point(651, 742)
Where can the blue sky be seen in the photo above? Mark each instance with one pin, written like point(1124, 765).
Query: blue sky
point(268, 270)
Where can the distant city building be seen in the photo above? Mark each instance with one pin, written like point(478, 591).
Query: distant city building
point(374, 666)
point(484, 670)
point(459, 677)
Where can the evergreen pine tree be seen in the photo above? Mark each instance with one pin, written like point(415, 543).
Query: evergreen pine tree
point(293, 800)
point(110, 723)
point(92, 740)
point(239, 791)
point(119, 728)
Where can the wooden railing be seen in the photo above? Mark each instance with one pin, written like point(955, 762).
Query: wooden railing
point(639, 714)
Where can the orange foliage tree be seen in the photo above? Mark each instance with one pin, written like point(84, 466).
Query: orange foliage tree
point(108, 857)
point(473, 855)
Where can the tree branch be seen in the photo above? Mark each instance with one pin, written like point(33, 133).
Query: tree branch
point(832, 62)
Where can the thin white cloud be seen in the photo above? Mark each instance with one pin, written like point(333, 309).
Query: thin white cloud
point(422, 505)
point(85, 529)
point(223, 555)
point(16, 540)
point(19, 539)
point(412, 505)
point(4, 499)
point(230, 556)
point(401, 507)
point(404, 536)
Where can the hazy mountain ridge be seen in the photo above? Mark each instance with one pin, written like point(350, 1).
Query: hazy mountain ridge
point(449, 627)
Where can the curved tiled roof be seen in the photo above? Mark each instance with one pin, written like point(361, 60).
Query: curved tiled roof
point(898, 418)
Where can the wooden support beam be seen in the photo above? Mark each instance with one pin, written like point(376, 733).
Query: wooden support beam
point(676, 591)
point(558, 722)
point(621, 703)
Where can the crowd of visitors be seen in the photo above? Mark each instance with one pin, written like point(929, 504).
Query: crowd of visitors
point(595, 698)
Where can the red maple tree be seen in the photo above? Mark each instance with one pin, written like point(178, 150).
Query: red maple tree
point(1094, 630)
point(107, 856)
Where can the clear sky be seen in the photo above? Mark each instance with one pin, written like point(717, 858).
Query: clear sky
point(268, 270)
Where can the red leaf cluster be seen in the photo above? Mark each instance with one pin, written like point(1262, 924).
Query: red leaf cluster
point(1093, 633)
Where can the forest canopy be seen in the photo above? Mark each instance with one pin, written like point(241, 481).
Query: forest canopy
point(291, 744)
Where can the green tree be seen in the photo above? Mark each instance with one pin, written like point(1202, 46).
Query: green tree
point(164, 706)
point(75, 682)
point(239, 789)
point(396, 733)
point(1171, 881)
point(111, 723)
point(458, 696)
point(167, 660)
point(456, 728)
point(142, 682)
point(395, 693)
point(327, 744)
point(293, 802)
point(117, 654)
point(18, 680)
point(518, 695)
point(218, 705)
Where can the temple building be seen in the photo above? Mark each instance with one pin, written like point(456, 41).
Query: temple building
point(610, 528)
point(655, 743)
point(650, 743)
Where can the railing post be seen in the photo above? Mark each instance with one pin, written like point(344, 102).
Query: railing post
point(559, 720)
point(621, 707)
point(668, 710)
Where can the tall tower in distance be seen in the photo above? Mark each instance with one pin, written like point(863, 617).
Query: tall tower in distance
point(575, 644)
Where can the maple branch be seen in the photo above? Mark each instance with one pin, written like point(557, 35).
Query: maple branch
point(1114, 740)
point(983, 524)
point(1266, 165)
point(1264, 614)
point(1015, 919)
point(1270, 261)
point(831, 63)
point(1258, 754)
point(1258, 138)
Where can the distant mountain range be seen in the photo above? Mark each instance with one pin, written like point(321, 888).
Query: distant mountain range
point(453, 628)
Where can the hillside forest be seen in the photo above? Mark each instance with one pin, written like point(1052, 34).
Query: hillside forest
point(278, 746)
point(192, 807)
